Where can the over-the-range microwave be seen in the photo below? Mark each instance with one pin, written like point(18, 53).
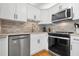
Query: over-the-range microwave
point(62, 15)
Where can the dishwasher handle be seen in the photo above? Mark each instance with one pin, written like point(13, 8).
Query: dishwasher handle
point(19, 38)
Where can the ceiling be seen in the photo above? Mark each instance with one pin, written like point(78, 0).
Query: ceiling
point(43, 5)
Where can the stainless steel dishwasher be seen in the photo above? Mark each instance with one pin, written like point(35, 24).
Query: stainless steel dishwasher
point(19, 45)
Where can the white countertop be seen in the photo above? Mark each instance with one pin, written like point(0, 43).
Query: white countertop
point(75, 34)
point(4, 34)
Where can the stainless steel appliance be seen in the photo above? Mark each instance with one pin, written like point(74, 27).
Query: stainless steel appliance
point(19, 45)
point(59, 43)
point(62, 15)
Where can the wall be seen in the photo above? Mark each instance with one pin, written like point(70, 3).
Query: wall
point(47, 26)
point(18, 27)
point(64, 26)
point(77, 28)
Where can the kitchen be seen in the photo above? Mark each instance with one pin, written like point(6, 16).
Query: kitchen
point(27, 29)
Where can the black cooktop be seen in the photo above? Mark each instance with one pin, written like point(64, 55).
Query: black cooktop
point(61, 34)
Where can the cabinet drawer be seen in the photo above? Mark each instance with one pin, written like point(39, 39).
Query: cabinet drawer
point(75, 39)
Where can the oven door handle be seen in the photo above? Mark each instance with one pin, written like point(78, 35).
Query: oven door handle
point(59, 37)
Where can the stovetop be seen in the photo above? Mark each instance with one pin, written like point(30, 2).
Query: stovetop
point(65, 32)
point(60, 34)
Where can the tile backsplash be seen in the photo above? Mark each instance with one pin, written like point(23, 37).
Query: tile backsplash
point(64, 26)
point(47, 26)
point(18, 27)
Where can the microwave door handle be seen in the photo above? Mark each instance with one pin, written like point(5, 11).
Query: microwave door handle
point(66, 13)
point(71, 12)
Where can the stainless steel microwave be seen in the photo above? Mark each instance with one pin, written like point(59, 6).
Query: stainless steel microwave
point(62, 15)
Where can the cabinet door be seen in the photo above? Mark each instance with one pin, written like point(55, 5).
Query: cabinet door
point(7, 11)
point(44, 41)
point(21, 12)
point(38, 42)
point(33, 13)
point(3, 46)
point(63, 6)
point(74, 49)
point(34, 44)
point(45, 17)
point(30, 12)
point(75, 11)
point(37, 14)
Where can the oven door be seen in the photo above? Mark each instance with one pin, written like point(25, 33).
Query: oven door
point(59, 46)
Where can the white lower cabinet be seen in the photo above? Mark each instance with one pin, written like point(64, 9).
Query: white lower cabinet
point(38, 42)
point(3, 47)
point(75, 49)
point(74, 46)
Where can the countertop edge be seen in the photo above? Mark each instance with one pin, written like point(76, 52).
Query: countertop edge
point(4, 35)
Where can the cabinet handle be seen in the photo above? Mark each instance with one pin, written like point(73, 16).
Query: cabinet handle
point(76, 39)
point(60, 7)
point(34, 16)
point(15, 16)
point(38, 41)
point(70, 47)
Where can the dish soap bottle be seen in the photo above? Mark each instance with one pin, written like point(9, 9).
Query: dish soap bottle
point(49, 29)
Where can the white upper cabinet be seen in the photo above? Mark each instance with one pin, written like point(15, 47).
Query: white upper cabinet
point(33, 13)
point(63, 6)
point(54, 9)
point(20, 12)
point(23, 11)
point(75, 11)
point(13, 11)
point(59, 7)
point(45, 17)
point(7, 11)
